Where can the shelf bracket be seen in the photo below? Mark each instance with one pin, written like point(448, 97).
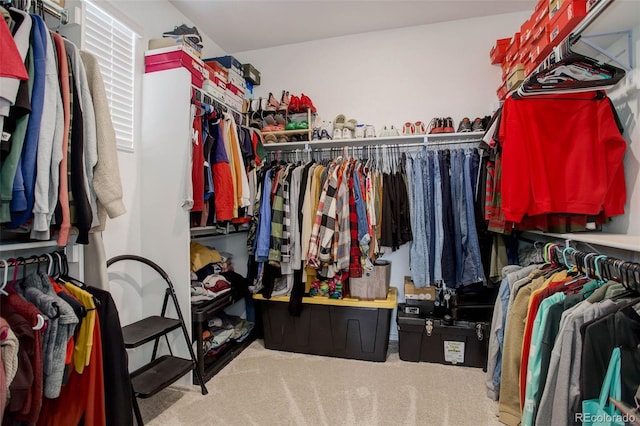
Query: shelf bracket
point(629, 65)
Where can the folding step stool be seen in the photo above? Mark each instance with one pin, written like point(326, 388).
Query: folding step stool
point(162, 371)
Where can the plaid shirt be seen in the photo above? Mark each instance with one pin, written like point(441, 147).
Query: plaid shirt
point(328, 220)
point(355, 268)
point(314, 240)
point(342, 237)
point(285, 248)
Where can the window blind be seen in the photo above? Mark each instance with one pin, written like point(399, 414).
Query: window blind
point(113, 44)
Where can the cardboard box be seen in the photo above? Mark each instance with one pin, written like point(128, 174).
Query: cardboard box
point(418, 293)
point(236, 79)
point(174, 57)
point(229, 62)
point(516, 77)
point(499, 51)
point(251, 74)
point(213, 90)
point(159, 43)
point(565, 20)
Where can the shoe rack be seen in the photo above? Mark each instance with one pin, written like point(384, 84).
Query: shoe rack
point(308, 116)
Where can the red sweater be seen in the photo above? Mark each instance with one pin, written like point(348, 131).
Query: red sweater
point(561, 154)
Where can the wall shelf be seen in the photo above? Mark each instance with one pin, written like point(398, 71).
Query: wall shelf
point(619, 241)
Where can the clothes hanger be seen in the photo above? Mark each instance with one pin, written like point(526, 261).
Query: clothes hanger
point(5, 277)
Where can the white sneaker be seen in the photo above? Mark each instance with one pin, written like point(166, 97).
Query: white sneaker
point(369, 131)
point(337, 134)
point(384, 132)
point(360, 131)
point(394, 132)
point(346, 133)
point(328, 126)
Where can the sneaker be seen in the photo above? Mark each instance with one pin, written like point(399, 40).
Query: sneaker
point(465, 125)
point(315, 136)
point(448, 125)
point(477, 125)
point(190, 33)
point(408, 129)
point(324, 135)
point(337, 134)
point(360, 130)
point(419, 128)
point(346, 134)
point(394, 132)
point(436, 125)
point(369, 131)
point(384, 132)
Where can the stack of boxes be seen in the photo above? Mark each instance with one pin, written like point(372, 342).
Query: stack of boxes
point(550, 23)
point(174, 52)
point(234, 86)
point(215, 83)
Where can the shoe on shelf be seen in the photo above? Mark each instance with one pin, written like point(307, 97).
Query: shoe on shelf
point(419, 128)
point(328, 126)
point(279, 119)
point(272, 103)
point(190, 33)
point(477, 126)
point(305, 103)
point(448, 126)
point(465, 125)
point(384, 132)
point(284, 101)
point(292, 125)
point(346, 134)
point(408, 129)
point(270, 120)
point(324, 135)
point(369, 131)
point(294, 104)
point(270, 138)
point(359, 132)
point(351, 124)
point(337, 134)
point(315, 136)
point(338, 122)
point(436, 125)
point(302, 125)
point(393, 131)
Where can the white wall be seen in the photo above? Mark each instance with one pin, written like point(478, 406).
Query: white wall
point(390, 77)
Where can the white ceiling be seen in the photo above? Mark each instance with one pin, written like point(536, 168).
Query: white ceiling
point(241, 25)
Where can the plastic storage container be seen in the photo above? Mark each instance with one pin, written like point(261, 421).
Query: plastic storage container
point(434, 340)
point(346, 328)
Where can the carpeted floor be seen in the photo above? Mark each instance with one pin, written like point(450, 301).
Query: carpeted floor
point(265, 387)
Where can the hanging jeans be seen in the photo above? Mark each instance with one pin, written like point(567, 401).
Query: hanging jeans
point(459, 211)
point(437, 217)
point(429, 209)
point(448, 248)
point(419, 253)
point(472, 264)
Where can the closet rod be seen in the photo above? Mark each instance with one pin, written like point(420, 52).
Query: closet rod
point(369, 142)
point(54, 10)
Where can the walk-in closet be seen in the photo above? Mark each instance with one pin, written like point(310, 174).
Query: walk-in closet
point(319, 212)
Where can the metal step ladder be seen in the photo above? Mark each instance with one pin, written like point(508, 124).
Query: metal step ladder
point(165, 370)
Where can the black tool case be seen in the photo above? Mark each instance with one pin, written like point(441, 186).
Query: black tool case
point(444, 341)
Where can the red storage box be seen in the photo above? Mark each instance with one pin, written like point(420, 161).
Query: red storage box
point(502, 91)
point(174, 57)
point(499, 51)
point(235, 90)
point(566, 19)
point(525, 30)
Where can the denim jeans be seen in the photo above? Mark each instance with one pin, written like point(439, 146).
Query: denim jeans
point(427, 183)
point(459, 210)
point(419, 253)
point(472, 266)
point(437, 217)
point(448, 249)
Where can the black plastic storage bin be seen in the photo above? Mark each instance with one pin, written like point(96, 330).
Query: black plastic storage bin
point(347, 328)
point(431, 340)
